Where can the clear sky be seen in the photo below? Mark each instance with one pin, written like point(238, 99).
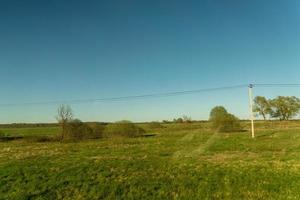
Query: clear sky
point(69, 49)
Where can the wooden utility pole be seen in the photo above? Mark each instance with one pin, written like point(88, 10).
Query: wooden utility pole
point(251, 109)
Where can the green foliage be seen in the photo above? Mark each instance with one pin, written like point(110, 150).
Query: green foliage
point(222, 121)
point(285, 108)
point(123, 129)
point(262, 106)
point(97, 130)
point(77, 130)
point(178, 120)
point(282, 107)
point(27, 132)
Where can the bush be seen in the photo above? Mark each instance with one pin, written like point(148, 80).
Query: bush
point(97, 130)
point(77, 130)
point(222, 121)
point(123, 129)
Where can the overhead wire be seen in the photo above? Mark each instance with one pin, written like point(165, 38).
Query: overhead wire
point(144, 96)
point(124, 98)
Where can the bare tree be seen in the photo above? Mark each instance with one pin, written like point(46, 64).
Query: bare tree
point(64, 116)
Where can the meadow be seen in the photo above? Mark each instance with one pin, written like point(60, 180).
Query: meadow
point(178, 161)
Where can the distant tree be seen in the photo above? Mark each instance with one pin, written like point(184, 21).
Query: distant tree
point(179, 120)
point(64, 117)
point(186, 119)
point(262, 106)
point(222, 121)
point(285, 107)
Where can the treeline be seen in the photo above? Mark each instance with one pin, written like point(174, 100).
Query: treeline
point(28, 125)
point(281, 107)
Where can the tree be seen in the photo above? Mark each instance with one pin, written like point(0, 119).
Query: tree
point(179, 120)
point(222, 121)
point(285, 107)
point(186, 119)
point(64, 117)
point(262, 106)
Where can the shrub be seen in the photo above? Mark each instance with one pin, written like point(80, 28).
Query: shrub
point(123, 129)
point(77, 130)
point(97, 130)
point(222, 121)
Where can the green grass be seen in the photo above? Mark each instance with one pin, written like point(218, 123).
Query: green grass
point(177, 163)
point(28, 132)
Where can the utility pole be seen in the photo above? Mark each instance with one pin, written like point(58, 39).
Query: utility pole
point(251, 109)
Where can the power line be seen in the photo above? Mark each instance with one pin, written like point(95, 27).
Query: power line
point(124, 98)
point(144, 96)
point(277, 85)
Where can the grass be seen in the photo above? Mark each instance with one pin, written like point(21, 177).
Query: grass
point(177, 163)
point(28, 132)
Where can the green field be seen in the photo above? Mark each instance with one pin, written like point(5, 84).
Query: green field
point(176, 162)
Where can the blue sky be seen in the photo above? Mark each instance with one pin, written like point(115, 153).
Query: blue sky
point(63, 49)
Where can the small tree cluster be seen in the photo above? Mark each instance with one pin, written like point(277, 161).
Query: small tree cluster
point(183, 119)
point(222, 121)
point(178, 120)
point(74, 129)
point(281, 107)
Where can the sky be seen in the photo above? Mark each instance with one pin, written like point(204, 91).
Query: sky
point(59, 50)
